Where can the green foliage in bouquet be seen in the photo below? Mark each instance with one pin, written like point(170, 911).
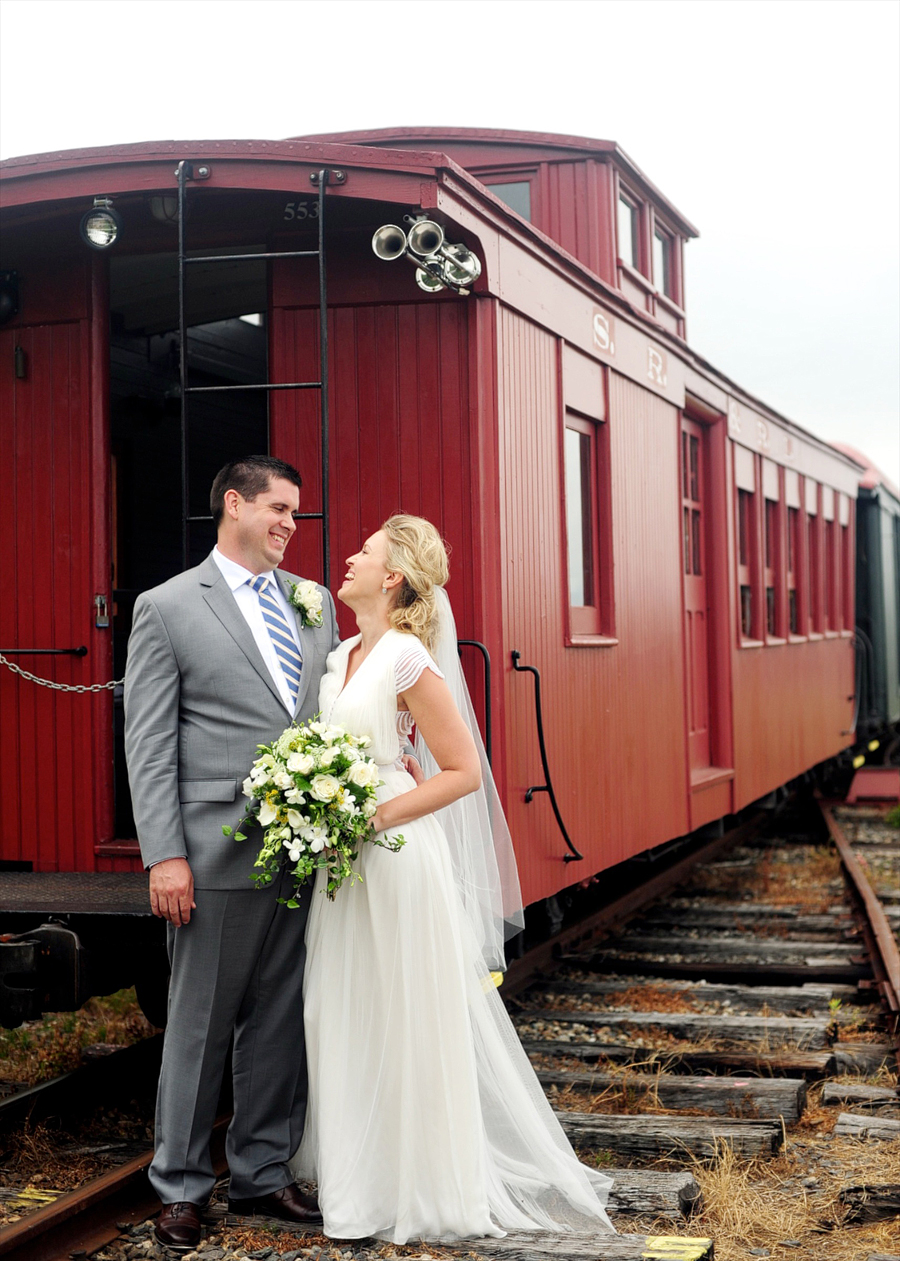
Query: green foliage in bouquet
point(313, 791)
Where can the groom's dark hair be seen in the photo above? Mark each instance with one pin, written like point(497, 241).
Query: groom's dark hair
point(249, 476)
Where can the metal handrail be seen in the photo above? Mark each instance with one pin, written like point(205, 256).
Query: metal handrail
point(45, 652)
point(547, 786)
point(488, 725)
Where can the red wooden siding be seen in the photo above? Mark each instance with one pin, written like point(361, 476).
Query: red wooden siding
point(400, 435)
point(620, 789)
point(56, 793)
point(790, 711)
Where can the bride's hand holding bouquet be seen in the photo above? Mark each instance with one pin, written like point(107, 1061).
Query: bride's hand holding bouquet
point(314, 791)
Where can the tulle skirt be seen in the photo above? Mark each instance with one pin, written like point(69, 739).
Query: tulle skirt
point(425, 1119)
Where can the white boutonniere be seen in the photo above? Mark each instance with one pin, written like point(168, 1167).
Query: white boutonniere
point(307, 600)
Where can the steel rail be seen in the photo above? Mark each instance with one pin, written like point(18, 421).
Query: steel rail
point(884, 954)
point(85, 1219)
point(81, 1088)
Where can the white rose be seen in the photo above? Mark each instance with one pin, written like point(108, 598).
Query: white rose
point(363, 774)
point(267, 814)
point(282, 779)
point(325, 787)
point(309, 595)
point(300, 762)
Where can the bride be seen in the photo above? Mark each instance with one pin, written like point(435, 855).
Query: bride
point(425, 1119)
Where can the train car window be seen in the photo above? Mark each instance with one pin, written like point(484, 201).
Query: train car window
point(793, 565)
point(662, 262)
point(746, 566)
point(846, 578)
point(813, 564)
point(831, 618)
point(587, 534)
point(628, 233)
point(516, 194)
point(578, 517)
point(772, 522)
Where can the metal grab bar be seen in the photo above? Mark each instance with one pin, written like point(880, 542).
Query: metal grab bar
point(488, 726)
point(45, 652)
point(547, 787)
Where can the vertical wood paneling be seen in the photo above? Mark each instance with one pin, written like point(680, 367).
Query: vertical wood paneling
point(620, 789)
point(791, 711)
point(400, 433)
point(51, 811)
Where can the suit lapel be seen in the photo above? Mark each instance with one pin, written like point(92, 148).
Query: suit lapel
point(306, 642)
point(218, 596)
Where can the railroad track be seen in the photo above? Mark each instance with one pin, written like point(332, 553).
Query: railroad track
point(708, 1011)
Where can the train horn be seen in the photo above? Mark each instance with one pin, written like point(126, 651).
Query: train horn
point(428, 281)
point(461, 264)
point(439, 265)
point(425, 237)
point(389, 242)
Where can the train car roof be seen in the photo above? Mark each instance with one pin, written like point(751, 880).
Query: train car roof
point(568, 145)
point(873, 477)
point(62, 175)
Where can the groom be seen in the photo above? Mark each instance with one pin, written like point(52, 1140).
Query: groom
point(220, 661)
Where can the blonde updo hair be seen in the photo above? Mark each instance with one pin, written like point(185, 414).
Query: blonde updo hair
point(417, 551)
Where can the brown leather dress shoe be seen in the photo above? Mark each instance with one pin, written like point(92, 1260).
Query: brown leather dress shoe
point(178, 1226)
point(289, 1203)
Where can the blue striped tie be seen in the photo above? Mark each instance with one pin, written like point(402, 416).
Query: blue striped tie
point(279, 632)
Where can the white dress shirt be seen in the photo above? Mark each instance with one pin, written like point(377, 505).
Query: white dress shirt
point(238, 579)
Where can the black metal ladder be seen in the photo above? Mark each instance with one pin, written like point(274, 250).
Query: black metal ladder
point(185, 173)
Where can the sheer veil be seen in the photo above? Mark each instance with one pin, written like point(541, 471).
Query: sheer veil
point(481, 848)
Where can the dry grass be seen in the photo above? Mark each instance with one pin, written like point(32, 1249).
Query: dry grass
point(655, 998)
point(250, 1239)
point(41, 1049)
point(803, 876)
point(761, 1204)
point(45, 1159)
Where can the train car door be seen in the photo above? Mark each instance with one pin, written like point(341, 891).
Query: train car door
point(696, 599)
point(54, 575)
point(704, 563)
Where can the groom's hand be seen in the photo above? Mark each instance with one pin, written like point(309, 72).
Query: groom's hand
point(411, 766)
point(172, 890)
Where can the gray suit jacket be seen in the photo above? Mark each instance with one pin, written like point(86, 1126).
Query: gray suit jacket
point(198, 701)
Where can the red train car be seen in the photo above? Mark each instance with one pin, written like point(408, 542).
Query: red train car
point(674, 558)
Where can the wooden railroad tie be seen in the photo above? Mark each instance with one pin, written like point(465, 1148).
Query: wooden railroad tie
point(760, 1097)
point(527, 1245)
point(640, 1135)
point(851, 1125)
point(790, 1000)
point(809, 1032)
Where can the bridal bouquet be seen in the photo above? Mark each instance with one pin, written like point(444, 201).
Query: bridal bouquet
point(313, 790)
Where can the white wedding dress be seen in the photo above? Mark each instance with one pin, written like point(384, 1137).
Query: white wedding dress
point(425, 1119)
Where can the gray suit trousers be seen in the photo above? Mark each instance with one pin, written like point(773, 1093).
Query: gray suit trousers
point(236, 967)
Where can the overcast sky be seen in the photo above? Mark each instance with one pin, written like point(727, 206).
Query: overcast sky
point(771, 124)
